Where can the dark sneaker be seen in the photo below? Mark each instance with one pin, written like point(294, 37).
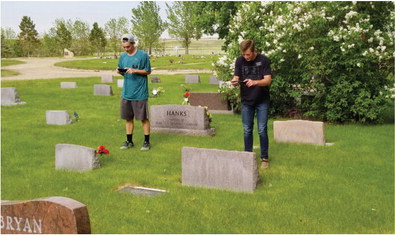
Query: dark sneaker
point(146, 146)
point(265, 163)
point(127, 145)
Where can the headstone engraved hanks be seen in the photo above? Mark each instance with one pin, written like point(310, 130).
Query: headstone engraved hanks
point(9, 96)
point(299, 131)
point(212, 100)
point(58, 117)
point(180, 119)
point(221, 169)
point(53, 215)
point(102, 89)
point(192, 79)
point(75, 158)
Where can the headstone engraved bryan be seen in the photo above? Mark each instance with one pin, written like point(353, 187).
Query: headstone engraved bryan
point(75, 158)
point(67, 85)
point(180, 119)
point(299, 131)
point(192, 79)
point(155, 80)
point(58, 117)
point(9, 96)
point(102, 89)
point(214, 80)
point(106, 78)
point(221, 169)
point(212, 100)
point(53, 215)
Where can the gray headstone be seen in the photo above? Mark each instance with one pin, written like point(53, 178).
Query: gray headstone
point(221, 169)
point(9, 96)
point(75, 158)
point(58, 117)
point(155, 80)
point(180, 119)
point(192, 79)
point(120, 83)
point(106, 78)
point(214, 80)
point(66, 85)
point(299, 131)
point(213, 100)
point(102, 89)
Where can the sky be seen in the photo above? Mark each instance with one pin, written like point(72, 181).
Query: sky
point(44, 13)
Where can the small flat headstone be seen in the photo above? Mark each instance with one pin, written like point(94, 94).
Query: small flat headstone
point(120, 83)
point(155, 80)
point(142, 191)
point(299, 131)
point(58, 117)
point(75, 158)
point(213, 100)
point(67, 85)
point(52, 215)
point(9, 96)
point(107, 78)
point(180, 119)
point(102, 89)
point(220, 169)
point(214, 80)
point(192, 79)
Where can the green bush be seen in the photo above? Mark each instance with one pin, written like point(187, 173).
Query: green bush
point(331, 61)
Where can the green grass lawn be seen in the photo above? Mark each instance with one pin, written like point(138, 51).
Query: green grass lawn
point(345, 188)
point(183, 62)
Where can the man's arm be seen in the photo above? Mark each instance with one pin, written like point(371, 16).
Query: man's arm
point(141, 71)
point(266, 81)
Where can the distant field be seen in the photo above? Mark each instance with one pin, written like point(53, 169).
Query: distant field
point(204, 46)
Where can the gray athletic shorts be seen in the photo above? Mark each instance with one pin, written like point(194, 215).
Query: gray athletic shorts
point(134, 109)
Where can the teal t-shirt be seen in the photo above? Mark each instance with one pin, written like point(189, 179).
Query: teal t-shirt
point(135, 86)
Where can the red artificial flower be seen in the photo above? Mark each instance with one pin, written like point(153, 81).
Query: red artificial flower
point(102, 149)
point(186, 95)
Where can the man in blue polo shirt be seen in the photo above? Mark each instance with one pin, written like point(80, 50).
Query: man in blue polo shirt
point(134, 102)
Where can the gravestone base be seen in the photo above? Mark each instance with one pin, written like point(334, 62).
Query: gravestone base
point(207, 132)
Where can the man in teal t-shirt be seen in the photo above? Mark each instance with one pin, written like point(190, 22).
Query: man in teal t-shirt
point(134, 102)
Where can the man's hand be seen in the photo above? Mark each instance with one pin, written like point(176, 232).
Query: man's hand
point(250, 82)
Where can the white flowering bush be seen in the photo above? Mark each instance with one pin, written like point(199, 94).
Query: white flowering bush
point(331, 61)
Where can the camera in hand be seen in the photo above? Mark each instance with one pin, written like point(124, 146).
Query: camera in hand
point(122, 70)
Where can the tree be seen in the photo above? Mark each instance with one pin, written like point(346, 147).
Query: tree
point(63, 36)
point(80, 33)
point(114, 29)
point(331, 61)
point(147, 25)
point(97, 39)
point(7, 40)
point(182, 23)
point(28, 37)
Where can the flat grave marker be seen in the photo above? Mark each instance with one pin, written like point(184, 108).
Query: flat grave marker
point(180, 119)
point(68, 85)
point(52, 215)
point(221, 169)
point(75, 158)
point(299, 131)
point(102, 89)
point(192, 79)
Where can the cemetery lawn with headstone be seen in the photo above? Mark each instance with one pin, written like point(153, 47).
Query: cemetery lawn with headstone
point(344, 188)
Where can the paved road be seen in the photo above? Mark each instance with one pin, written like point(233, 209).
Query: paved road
point(44, 68)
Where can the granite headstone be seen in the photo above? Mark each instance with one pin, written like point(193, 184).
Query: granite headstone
point(9, 96)
point(299, 131)
point(67, 85)
point(213, 100)
point(106, 78)
point(58, 117)
point(102, 89)
point(192, 79)
point(75, 158)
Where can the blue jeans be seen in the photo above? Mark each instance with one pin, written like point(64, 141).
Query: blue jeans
point(262, 114)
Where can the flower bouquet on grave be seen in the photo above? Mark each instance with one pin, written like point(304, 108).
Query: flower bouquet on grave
point(157, 91)
point(100, 151)
point(208, 114)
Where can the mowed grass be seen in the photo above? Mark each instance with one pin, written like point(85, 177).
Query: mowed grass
point(344, 188)
point(164, 62)
point(8, 62)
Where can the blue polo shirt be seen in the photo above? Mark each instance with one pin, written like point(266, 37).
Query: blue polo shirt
point(135, 86)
